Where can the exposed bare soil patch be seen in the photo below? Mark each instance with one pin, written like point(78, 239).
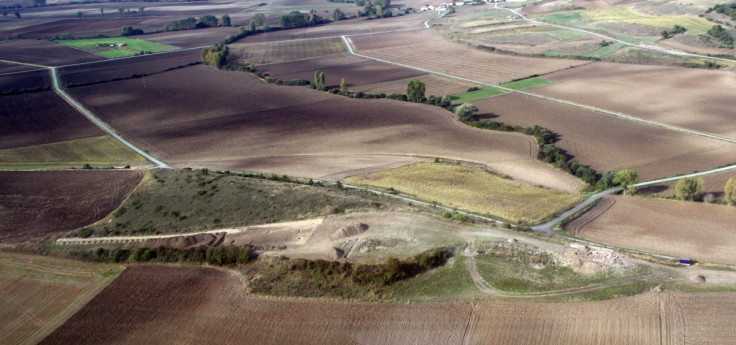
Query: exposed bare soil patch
point(605, 142)
point(44, 52)
point(681, 229)
point(27, 122)
point(433, 52)
point(39, 203)
point(691, 98)
point(151, 302)
point(216, 126)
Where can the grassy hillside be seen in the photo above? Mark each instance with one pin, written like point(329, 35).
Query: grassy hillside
point(173, 201)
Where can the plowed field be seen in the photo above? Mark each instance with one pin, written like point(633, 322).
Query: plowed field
point(284, 51)
point(687, 97)
point(682, 229)
point(41, 293)
point(605, 142)
point(25, 80)
point(432, 52)
point(44, 53)
point(35, 204)
point(231, 117)
point(150, 303)
point(26, 120)
point(192, 38)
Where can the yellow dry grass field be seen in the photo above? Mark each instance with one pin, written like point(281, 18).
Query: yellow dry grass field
point(471, 189)
point(102, 150)
point(283, 51)
point(40, 293)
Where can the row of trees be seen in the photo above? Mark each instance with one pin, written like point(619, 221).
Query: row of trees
point(675, 30)
point(205, 21)
point(215, 56)
point(691, 188)
point(217, 256)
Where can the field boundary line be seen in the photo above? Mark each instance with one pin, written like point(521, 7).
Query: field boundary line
point(88, 114)
point(587, 107)
point(642, 46)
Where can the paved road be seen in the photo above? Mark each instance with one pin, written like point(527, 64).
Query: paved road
point(98, 122)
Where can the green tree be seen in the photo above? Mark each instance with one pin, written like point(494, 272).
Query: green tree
point(319, 80)
point(465, 111)
point(627, 178)
point(729, 191)
point(37, 3)
point(5, 14)
point(343, 87)
point(207, 21)
point(252, 26)
point(689, 188)
point(102, 11)
point(121, 10)
point(140, 9)
point(225, 20)
point(259, 19)
point(607, 178)
point(337, 15)
point(415, 91)
point(79, 14)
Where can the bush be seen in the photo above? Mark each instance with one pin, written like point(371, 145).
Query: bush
point(85, 232)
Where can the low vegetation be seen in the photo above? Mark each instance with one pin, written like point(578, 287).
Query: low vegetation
point(471, 189)
point(719, 33)
point(320, 278)
point(116, 46)
point(175, 201)
point(102, 151)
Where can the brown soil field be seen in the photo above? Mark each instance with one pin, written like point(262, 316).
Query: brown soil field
point(345, 27)
point(25, 80)
point(433, 52)
point(605, 142)
point(357, 72)
point(712, 184)
point(38, 203)
point(41, 293)
point(122, 68)
point(6, 68)
point(703, 232)
point(150, 303)
point(233, 116)
point(692, 98)
point(27, 121)
point(435, 85)
point(285, 51)
point(191, 38)
point(43, 53)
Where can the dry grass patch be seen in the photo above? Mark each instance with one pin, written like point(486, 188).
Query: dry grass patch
point(471, 189)
point(97, 151)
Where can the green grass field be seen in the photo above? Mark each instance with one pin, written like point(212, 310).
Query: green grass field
point(487, 92)
point(476, 95)
point(449, 282)
point(103, 46)
point(567, 35)
point(526, 83)
point(471, 189)
point(96, 151)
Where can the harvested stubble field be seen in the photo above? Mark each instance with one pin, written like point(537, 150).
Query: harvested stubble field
point(471, 189)
point(39, 203)
point(150, 303)
point(100, 151)
point(357, 72)
point(37, 79)
point(691, 98)
point(605, 142)
point(27, 122)
point(703, 232)
point(124, 68)
point(233, 117)
point(432, 52)
point(44, 53)
point(284, 51)
point(41, 293)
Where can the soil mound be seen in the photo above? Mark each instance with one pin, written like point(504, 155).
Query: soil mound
point(698, 278)
point(350, 230)
point(337, 253)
